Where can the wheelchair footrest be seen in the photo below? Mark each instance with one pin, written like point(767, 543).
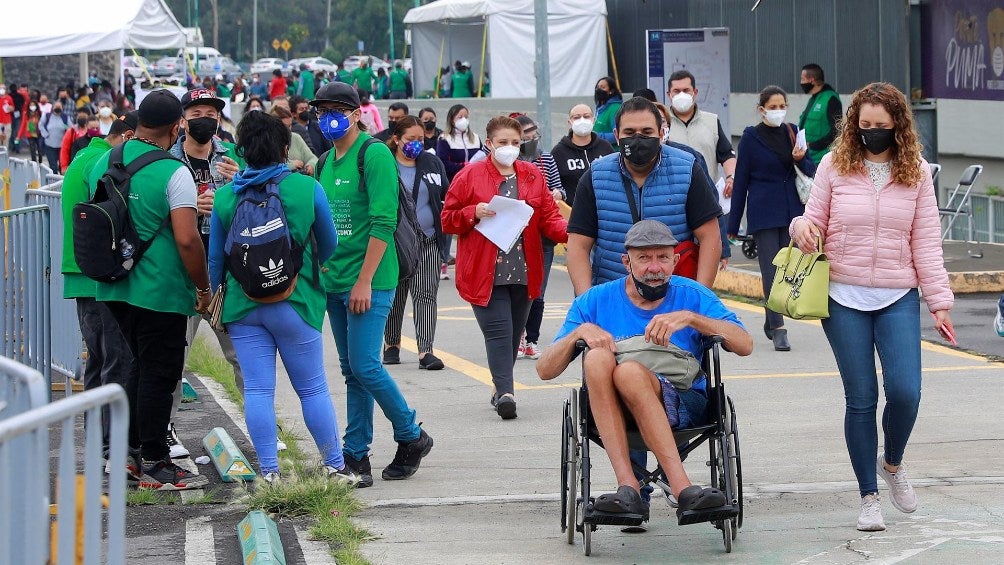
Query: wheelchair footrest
point(601, 518)
point(708, 515)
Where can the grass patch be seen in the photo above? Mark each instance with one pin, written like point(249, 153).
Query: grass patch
point(303, 490)
point(146, 497)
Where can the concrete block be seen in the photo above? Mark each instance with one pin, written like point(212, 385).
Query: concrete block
point(259, 539)
point(188, 393)
point(229, 460)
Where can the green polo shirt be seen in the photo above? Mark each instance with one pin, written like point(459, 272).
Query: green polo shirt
point(75, 191)
point(159, 281)
point(359, 215)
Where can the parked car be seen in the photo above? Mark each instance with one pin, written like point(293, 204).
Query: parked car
point(222, 65)
point(266, 65)
point(313, 63)
point(351, 63)
point(134, 65)
point(168, 66)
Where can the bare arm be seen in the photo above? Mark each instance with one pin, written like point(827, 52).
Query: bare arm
point(580, 270)
point(711, 252)
point(661, 327)
point(193, 254)
point(556, 358)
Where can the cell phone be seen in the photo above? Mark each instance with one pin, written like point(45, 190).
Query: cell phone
point(945, 332)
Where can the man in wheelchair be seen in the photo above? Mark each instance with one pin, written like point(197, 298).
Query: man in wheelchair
point(672, 312)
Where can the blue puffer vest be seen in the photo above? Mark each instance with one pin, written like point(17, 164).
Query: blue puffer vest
point(662, 197)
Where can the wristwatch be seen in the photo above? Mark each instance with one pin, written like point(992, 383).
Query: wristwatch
point(730, 177)
point(202, 291)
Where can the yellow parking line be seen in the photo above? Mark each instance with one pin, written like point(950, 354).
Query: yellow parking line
point(985, 367)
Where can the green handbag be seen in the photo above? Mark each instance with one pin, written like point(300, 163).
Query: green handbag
point(801, 284)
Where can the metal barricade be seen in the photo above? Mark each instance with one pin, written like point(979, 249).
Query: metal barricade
point(25, 323)
point(24, 502)
point(21, 388)
point(67, 344)
point(5, 200)
point(21, 176)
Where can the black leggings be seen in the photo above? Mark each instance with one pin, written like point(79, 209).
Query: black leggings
point(502, 322)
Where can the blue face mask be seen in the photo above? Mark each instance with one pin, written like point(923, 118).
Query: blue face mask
point(413, 149)
point(334, 125)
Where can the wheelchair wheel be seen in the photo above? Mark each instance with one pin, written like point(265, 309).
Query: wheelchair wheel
point(749, 248)
point(587, 535)
point(737, 464)
point(569, 468)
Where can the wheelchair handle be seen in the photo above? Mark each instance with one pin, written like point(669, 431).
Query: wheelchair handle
point(580, 345)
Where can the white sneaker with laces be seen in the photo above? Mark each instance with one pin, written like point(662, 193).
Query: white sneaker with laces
point(178, 450)
point(901, 492)
point(870, 518)
point(342, 476)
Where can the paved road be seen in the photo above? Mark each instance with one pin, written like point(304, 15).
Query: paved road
point(488, 492)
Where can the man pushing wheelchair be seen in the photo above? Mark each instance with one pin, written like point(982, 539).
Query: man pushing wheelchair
point(645, 335)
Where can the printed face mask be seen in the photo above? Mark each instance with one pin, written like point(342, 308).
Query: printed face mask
point(413, 149)
point(582, 126)
point(649, 292)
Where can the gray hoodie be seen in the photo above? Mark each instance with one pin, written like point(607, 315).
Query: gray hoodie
point(53, 127)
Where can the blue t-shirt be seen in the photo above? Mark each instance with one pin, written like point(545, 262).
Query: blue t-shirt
point(608, 306)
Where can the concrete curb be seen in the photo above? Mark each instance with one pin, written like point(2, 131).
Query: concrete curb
point(748, 284)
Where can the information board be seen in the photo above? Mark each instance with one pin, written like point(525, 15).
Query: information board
point(702, 51)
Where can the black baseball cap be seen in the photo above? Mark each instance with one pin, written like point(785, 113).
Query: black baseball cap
point(649, 233)
point(159, 108)
point(203, 96)
point(131, 120)
point(338, 93)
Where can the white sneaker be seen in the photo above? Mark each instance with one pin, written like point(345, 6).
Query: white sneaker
point(870, 518)
point(902, 494)
point(178, 450)
point(280, 445)
point(342, 476)
point(531, 350)
point(271, 478)
point(444, 274)
point(521, 352)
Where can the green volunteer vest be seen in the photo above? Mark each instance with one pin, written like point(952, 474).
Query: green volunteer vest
point(814, 121)
point(297, 195)
point(159, 282)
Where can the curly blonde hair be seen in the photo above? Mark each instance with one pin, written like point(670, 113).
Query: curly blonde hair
point(849, 151)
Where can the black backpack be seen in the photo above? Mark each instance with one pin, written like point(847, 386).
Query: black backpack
point(406, 234)
point(261, 254)
point(106, 246)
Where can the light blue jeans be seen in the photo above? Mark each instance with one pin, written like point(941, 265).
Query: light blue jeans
point(854, 336)
point(256, 337)
point(359, 339)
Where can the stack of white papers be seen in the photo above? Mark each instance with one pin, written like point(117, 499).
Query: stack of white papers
point(510, 219)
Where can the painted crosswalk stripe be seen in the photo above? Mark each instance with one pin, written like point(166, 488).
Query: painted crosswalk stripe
point(200, 544)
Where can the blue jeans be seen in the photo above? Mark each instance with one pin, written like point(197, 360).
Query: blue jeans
point(256, 337)
point(359, 339)
point(854, 337)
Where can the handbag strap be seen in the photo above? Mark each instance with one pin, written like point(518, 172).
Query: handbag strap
point(635, 216)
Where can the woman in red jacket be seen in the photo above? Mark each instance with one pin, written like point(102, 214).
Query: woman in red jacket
point(500, 284)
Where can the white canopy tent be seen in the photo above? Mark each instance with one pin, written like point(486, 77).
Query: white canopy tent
point(61, 27)
point(498, 35)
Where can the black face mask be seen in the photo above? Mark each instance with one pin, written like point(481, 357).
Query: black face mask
point(649, 292)
point(639, 150)
point(304, 116)
point(429, 126)
point(601, 96)
point(528, 150)
point(201, 129)
point(807, 87)
point(57, 110)
point(877, 140)
point(81, 122)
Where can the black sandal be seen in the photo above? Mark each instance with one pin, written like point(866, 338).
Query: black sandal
point(625, 501)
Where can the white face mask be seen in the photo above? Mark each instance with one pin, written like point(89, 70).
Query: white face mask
point(582, 126)
point(683, 102)
point(461, 124)
point(505, 155)
point(33, 107)
point(105, 112)
point(3, 91)
point(775, 117)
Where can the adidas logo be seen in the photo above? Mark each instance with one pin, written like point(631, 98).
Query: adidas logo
point(271, 225)
point(272, 270)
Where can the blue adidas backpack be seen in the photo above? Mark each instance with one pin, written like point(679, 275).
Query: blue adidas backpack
point(260, 252)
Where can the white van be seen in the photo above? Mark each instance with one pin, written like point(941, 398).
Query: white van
point(207, 57)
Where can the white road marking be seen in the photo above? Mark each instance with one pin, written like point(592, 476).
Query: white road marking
point(231, 409)
point(313, 551)
point(200, 544)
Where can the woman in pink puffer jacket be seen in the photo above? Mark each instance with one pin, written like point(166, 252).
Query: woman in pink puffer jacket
point(874, 206)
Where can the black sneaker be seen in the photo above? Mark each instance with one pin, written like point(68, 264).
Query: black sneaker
point(430, 362)
point(408, 457)
point(360, 468)
point(392, 355)
point(165, 475)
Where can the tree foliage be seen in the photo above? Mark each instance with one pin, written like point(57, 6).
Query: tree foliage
point(302, 22)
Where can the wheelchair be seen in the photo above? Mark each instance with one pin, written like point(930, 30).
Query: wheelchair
point(721, 433)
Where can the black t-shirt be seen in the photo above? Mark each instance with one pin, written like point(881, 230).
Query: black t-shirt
point(702, 204)
point(203, 181)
